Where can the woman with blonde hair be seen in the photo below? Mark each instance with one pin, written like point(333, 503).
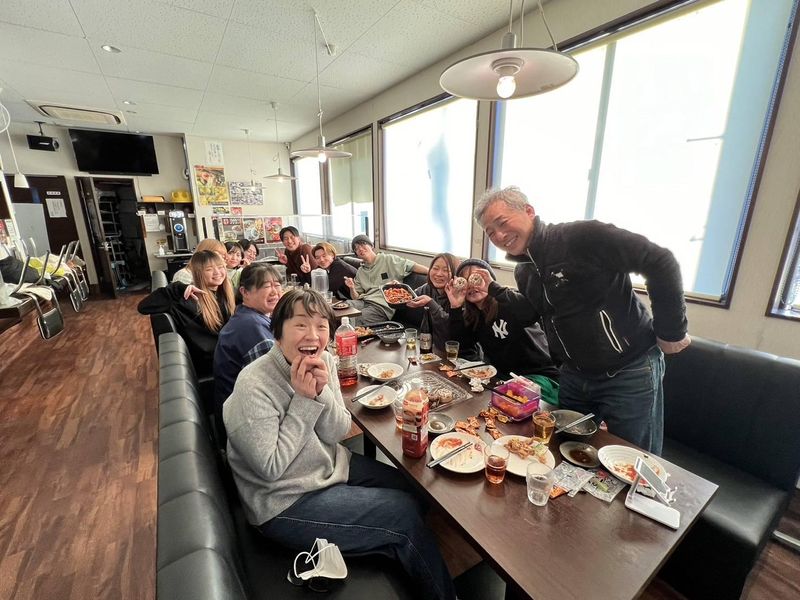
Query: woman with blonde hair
point(199, 309)
point(184, 275)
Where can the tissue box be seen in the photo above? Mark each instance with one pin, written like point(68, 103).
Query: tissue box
point(517, 411)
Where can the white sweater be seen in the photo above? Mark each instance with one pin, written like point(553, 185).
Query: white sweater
point(282, 445)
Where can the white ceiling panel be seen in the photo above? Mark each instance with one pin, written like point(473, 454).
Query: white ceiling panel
point(477, 12)
point(154, 93)
point(151, 25)
point(217, 8)
point(21, 112)
point(235, 106)
point(414, 35)
point(362, 74)
point(248, 84)
point(53, 83)
point(49, 15)
point(45, 48)
point(159, 112)
point(143, 65)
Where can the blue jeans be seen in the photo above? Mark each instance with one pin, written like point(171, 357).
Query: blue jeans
point(630, 401)
point(375, 512)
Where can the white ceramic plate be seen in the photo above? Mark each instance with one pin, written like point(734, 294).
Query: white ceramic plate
point(517, 465)
point(468, 461)
point(619, 461)
point(484, 372)
point(382, 397)
point(385, 371)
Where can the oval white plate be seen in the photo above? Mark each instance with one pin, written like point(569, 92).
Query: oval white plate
point(371, 400)
point(484, 372)
point(619, 460)
point(378, 370)
point(468, 461)
point(519, 466)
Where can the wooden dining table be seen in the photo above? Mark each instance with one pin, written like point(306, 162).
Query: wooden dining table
point(580, 547)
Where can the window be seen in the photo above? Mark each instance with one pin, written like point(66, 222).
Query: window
point(786, 294)
point(661, 133)
point(428, 172)
point(309, 195)
point(351, 187)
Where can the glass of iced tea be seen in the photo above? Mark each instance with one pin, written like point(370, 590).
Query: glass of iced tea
point(451, 347)
point(496, 461)
point(411, 340)
point(544, 422)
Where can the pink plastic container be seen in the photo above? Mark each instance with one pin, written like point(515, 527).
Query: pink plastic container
point(516, 411)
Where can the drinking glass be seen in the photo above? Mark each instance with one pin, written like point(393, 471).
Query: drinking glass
point(451, 348)
point(411, 340)
point(496, 461)
point(539, 478)
point(328, 297)
point(544, 422)
point(397, 406)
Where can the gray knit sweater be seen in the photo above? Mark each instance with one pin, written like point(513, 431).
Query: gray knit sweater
point(282, 445)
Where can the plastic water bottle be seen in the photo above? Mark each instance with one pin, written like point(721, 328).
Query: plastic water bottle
point(347, 349)
point(319, 280)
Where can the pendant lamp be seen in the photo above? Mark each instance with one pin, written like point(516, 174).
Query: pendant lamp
point(279, 176)
point(20, 181)
point(321, 152)
point(510, 72)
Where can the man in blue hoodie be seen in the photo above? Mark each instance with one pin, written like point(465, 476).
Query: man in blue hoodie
point(577, 277)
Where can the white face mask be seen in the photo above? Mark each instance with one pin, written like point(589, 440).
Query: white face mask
point(326, 561)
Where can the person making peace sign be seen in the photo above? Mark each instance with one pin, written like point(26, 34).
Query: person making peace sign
point(298, 257)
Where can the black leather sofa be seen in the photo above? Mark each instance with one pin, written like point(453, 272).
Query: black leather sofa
point(732, 415)
point(205, 548)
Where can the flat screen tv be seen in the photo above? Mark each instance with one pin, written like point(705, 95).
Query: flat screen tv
point(109, 153)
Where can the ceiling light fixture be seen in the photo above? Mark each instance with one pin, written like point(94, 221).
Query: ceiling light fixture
point(510, 72)
point(321, 152)
point(112, 49)
point(129, 102)
point(279, 176)
point(20, 181)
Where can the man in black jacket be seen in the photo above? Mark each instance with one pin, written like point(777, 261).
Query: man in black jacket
point(577, 277)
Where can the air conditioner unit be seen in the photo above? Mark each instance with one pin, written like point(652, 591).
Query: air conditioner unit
point(78, 114)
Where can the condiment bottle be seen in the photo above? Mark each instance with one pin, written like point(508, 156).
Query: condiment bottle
point(415, 420)
point(347, 351)
point(426, 332)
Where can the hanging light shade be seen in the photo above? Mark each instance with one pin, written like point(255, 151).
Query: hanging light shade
point(321, 152)
point(279, 176)
point(20, 181)
point(510, 72)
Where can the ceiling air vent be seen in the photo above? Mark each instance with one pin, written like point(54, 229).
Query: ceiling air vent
point(79, 114)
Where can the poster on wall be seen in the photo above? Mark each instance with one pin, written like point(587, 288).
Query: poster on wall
point(236, 210)
point(211, 185)
point(272, 228)
point(214, 154)
point(220, 210)
point(254, 229)
point(246, 193)
point(230, 229)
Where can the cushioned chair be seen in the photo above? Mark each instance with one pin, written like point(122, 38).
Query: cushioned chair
point(732, 415)
point(158, 279)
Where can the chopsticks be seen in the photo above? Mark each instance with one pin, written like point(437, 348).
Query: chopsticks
point(368, 392)
point(469, 367)
point(450, 454)
point(575, 422)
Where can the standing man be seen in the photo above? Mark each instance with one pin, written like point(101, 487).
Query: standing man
point(377, 269)
point(298, 258)
point(577, 276)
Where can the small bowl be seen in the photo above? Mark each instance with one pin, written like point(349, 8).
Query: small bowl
point(581, 431)
point(440, 423)
point(390, 337)
point(385, 371)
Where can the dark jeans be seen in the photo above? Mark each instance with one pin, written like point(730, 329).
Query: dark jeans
point(630, 401)
point(375, 512)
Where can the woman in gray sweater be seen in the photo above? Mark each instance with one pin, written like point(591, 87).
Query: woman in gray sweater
point(285, 419)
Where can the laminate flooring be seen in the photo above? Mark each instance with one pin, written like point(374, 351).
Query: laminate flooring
point(78, 465)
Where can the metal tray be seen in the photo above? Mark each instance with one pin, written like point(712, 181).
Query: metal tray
point(433, 382)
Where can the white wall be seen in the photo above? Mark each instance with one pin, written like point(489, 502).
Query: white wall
point(171, 163)
point(744, 323)
point(277, 196)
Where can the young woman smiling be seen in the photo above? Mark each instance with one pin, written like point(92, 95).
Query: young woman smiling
point(233, 262)
point(432, 294)
point(200, 309)
point(285, 419)
point(325, 255)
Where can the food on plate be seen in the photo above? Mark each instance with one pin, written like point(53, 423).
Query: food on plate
point(387, 374)
point(340, 306)
point(397, 295)
point(448, 444)
point(428, 357)
point(446, 367)
point(459, 283)
point(528, 447)
point(363, 331)
point(377, 400)
point(476, 280)
point(465, 427)
point(442, 396)
point(625, 469)
point(480, 372)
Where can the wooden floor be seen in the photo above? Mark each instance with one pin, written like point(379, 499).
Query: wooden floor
point(78, 423)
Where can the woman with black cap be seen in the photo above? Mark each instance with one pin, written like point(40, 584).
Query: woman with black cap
point(499, 319)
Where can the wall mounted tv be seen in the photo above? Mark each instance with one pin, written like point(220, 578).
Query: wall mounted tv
point(110, 153)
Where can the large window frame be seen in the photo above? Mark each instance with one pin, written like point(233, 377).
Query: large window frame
point(785, 297)
point(430, 104)
point(660, 12)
